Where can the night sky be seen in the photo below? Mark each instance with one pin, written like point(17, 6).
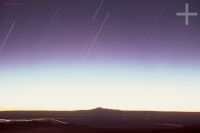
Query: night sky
point(81, 54)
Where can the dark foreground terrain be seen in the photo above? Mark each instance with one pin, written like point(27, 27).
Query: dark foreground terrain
point(48, 127)
point(99, 121)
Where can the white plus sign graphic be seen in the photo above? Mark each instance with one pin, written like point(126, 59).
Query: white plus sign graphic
point(187, 14)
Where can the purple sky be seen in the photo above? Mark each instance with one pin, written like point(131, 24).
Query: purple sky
point(142, 33)
point(136, 30)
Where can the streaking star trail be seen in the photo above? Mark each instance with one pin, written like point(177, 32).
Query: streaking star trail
point(7, 36)
point(96, 37)
point(98, 9)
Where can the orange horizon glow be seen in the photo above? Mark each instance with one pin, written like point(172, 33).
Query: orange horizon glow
point(120, 109)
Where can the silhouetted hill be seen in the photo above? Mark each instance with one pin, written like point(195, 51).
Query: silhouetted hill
point(94, 113)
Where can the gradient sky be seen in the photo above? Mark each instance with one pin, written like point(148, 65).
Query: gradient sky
point(82, 54)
